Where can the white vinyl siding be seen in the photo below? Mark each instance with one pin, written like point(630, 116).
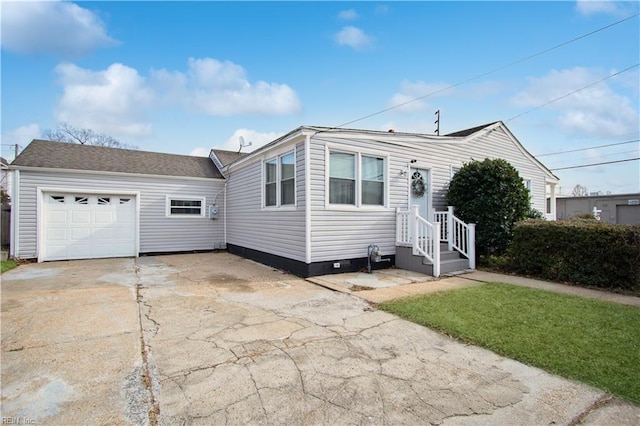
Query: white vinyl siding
point(158, 233)
point(346, 233)
point(279, 231)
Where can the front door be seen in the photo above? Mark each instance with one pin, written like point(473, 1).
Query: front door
point(420, 192)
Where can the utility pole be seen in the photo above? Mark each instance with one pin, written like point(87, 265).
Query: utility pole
point(17, 147)
point(437, 123)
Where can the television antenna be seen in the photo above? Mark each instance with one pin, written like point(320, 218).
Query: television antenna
point(244, 144)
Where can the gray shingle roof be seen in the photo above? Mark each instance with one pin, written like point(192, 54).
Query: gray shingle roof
point(228, 157)
point(467, 132)
point(60, 155)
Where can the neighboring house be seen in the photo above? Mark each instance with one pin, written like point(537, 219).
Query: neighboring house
point(5, 176)
point(617, 208)
point(316, 200)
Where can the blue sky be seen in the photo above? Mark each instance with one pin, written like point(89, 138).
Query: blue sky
point(183, 77)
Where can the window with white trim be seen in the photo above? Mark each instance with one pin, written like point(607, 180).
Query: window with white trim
point(372, 181)
point(342, 178)
point(280, 181)
point(185, 206)
point(356, 179)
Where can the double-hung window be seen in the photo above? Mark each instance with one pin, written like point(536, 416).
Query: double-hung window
point(280, 181)
point(356, 179)
point(342, 178)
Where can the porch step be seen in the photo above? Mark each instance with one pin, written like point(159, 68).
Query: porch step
point(450, 261)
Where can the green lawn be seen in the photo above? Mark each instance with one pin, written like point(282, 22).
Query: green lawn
point(594, 342)
point(8, 264)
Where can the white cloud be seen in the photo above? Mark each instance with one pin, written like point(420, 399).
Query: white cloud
point(257, 140)
point(112, 101)
point(597, 111)
point(353, 37)
point(609, 7)
point(348, 15)
point(58, 28)
point(220, 88)
point(200, 152)
point(412, 90)
point(22, 136)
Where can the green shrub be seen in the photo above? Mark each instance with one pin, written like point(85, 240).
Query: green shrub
point(492, 195)
point(582, 216)
point(582, 252)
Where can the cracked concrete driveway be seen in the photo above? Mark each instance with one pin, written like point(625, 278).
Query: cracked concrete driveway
point(217, 339)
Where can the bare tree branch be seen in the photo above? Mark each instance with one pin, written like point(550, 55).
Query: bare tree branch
point(68, 133)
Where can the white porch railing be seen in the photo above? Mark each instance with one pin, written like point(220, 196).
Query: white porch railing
point(414, 231)
point(459, 236)
point(425, 237)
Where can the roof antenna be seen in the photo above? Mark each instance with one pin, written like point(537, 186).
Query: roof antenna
point(244, 144)
point(437, 123)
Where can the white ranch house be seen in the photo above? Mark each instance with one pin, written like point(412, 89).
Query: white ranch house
point(315, 201)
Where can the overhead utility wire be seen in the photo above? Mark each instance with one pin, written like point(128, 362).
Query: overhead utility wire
point(575, 91)
point(584, 149)
point(526, 58)
point(596, 164)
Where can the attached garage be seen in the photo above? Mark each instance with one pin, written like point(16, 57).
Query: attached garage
point(72, 201)
point(81, 226)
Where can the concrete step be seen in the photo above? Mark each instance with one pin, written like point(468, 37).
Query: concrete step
point(450, 261)
point(454, 265)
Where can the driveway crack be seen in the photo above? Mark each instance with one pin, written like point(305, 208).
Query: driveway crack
point(144, 310)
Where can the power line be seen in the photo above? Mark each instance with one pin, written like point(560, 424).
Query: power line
point(488, 72)
point(600, 157)
point(596, 164)
point(575, 91)
point(584, 149)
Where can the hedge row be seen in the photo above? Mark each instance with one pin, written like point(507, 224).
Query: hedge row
point(583, 252)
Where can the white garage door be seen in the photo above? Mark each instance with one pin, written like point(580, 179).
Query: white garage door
point(83, 226)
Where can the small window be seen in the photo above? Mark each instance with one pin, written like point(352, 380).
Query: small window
point(270, 185)
point(287, 180)
point(342, 178)
point(81, 200)
point(527, 184)
point(372, 181)
point(124, 200)
point(104, 201)
point(185, 206)
point(57, 199)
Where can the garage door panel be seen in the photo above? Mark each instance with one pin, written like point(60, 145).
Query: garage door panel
point(80, 226)
point(80, 217)
point(56, 235)
point(104, 218)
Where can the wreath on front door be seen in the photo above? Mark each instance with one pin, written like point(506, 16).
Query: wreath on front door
point(417, 185)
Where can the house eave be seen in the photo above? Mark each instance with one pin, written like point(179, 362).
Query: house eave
point(109, 173)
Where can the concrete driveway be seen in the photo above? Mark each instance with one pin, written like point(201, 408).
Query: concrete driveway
point(217, 339)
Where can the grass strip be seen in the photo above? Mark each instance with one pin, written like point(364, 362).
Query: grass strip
point(8, 265)
point(591, 341)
